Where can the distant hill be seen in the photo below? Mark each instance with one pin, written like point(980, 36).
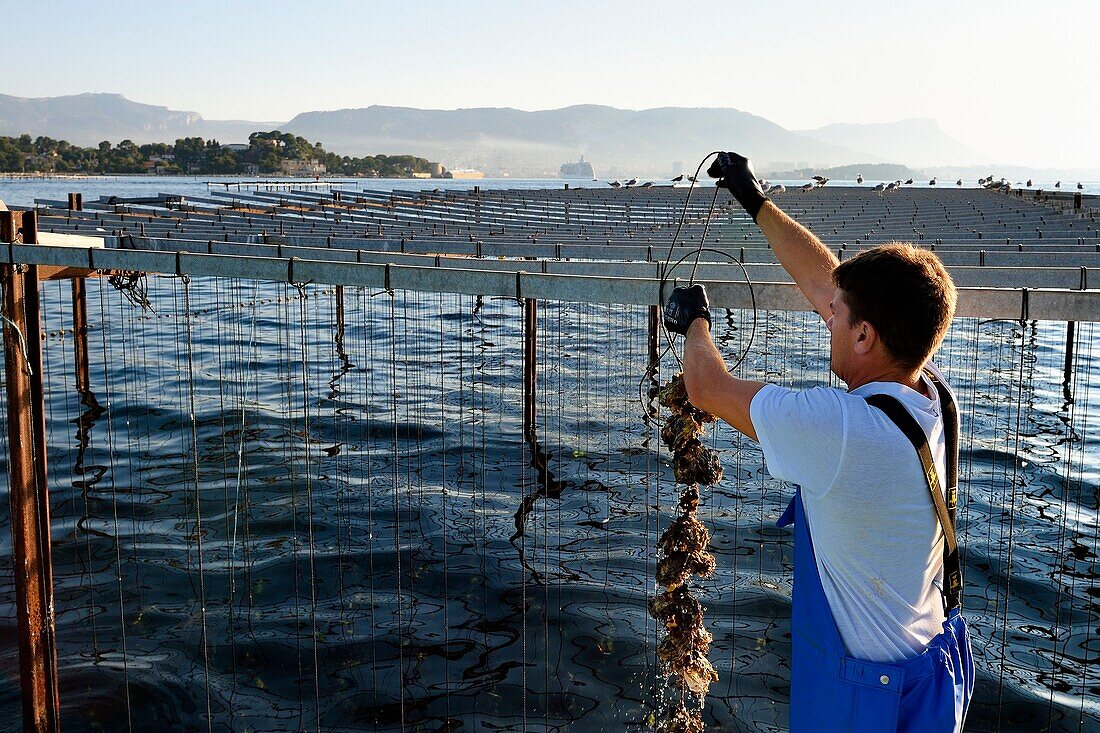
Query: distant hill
point(871, 172)
point(86, 119)
point(917, 141)
point(618, 142)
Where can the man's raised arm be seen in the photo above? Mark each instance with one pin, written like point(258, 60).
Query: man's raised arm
point(800, 253)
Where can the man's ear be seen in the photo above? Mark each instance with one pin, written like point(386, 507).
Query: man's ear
point(866, 338)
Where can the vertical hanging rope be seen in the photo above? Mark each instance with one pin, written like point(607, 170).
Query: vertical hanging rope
point(366, 307)
point(303, 336)
point(396, 478)
point(108, 358)
point(186, 281)
point(1085, 396)
point(444, 509)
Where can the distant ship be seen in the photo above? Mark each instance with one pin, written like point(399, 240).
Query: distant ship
point(464, 173)
point(580, 169)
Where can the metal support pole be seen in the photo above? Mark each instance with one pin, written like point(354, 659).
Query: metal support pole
point(80, 316)
point(1071, 333)
point(654, 315)
point(530, 328)
point(29, 498)
point(340, 312)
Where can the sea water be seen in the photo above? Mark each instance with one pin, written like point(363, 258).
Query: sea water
point(260, 526)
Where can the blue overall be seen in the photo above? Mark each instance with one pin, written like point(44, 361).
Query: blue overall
point(831, 691)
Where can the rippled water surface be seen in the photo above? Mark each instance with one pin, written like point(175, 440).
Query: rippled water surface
point(263, 524)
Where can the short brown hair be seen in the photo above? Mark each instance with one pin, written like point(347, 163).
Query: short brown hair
point(905, 293)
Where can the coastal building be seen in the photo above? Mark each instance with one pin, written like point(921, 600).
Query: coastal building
point(309, 167)
point(464, 173)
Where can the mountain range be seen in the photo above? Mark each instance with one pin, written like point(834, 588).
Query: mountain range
point(650, 142)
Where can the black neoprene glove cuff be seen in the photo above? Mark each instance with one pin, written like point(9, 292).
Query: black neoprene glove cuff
point(752, 200)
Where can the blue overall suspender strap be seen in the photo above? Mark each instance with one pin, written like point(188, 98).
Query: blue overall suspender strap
point(832, 691)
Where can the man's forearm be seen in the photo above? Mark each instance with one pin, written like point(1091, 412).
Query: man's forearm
point(801, 254)
point(710, 387)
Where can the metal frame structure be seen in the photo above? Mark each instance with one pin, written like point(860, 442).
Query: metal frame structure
point(529, 247)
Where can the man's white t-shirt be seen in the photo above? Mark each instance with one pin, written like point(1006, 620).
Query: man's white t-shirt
point(878, 545)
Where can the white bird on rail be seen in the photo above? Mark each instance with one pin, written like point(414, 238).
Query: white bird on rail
point(809, 187)
point(778, 188)
point(632, 182)
point(647, 184)
point(880, 187)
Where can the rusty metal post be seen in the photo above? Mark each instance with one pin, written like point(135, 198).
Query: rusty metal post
point(340, 312)
point(1071, 333)
point(530, 329)
point(654, 315)
point(29, 498)
point(80, 316)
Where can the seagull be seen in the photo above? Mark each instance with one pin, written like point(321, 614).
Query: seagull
point(932, 182)
point(1058, 184)
point(859, 179)
point(632, 182)
point(765, 187)
point(1029, 183)
point(809, 187)
point(959, 182)
point(880, 187)
point(1080, 186)
point(780, 188)
point(614, 184)
point(909, 182)
point(678, 178)
point(892, 186)
point(691, 178)
point(820, 179)
point(647, 184)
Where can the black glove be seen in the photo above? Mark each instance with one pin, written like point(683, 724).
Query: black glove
point(684, 306)
point(735, 173)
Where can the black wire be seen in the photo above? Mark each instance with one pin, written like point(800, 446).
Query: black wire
point(667, 267)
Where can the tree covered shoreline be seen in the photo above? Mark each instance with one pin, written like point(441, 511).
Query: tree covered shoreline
point(266, 153)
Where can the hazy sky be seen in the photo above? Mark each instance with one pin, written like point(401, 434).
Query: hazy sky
point(1013, 80)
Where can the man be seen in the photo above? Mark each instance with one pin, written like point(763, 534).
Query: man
point(878, 640)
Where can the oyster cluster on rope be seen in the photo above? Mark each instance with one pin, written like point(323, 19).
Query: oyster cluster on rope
point(684, 554)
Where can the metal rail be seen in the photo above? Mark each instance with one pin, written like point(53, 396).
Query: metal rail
point(1004, 303)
